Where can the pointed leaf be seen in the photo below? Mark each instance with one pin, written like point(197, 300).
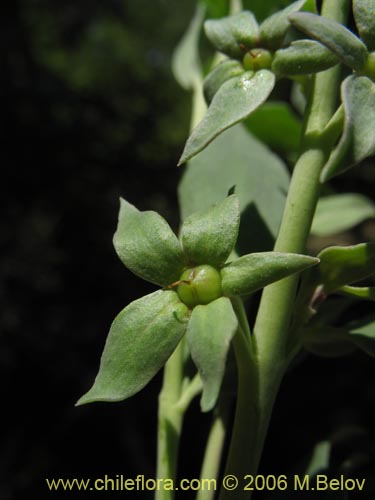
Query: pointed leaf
point(360, 292)
point(230, 34)
point(319, 459)
point(303, 57)
point(362, 334)
point(186, 64)
point(273, 30)
point(358, 140)
point(141, 339)
point(261, 180)
point(257, 270)
point(235, 100)
point(210, 331)
point(333, 341)
point(347, 47)
point(220, 74)
point(209, 237)
point(340, 212)
point(364, 15)
point(147, 245)
point(327, 341)
point(341, 266)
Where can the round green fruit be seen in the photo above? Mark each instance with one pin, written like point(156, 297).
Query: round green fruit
point(199, 285)
point(256, 59)
point(369, 68)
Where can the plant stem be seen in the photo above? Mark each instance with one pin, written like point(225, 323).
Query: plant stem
point(215, 443)
point(170, 419)
point(271, 330)
point(189, 392)
point(243, 440)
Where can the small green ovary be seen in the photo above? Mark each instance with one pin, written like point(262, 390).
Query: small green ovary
point(256, 59)
point(199, 285)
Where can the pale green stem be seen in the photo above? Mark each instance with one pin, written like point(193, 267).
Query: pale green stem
point(170, 419)
point(235, 7)
point(214, 448)
point(192, 390)
point(271, 330)
point(199, 106)
point(243, 441)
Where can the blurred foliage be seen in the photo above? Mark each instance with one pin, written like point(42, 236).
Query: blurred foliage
point(90, 112)
point(261, 8)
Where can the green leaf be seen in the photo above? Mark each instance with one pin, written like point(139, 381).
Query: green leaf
point(186, 65)
point(347, 47)
point(209, 237)
point(319, 460)
point(360, 292)
point(141, 339)
point(264, 8)
point(216, 8)
point(210, 331)
point(261, 180)
point(358, 140)
point(340, 212)
point(147, 245)
point(341, 266)
point(364, 15)
point(273, 30)
point(231, 33)
point(333, 341)
point(257, 270)
point(362, 334)
point(327, 341)
point(220, 74)
point(283, 119)
point(303, 57)
point(236, 99)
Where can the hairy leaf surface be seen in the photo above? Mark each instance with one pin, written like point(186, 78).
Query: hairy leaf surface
point(358, 139)
point(210, 331)
point(260, 178)
point(141, 339)
point(252, 272)
point(235, 100)
point(347, 47)
point(209, 237)
point(147, 245)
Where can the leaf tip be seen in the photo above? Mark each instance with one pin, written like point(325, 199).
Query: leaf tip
point(85, 399)
point(325, 175)
point(207, 403)
point(185, 156)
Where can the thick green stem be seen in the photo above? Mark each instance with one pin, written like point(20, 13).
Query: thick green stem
point(272, 326)
point(278, 299)
point(170, 419)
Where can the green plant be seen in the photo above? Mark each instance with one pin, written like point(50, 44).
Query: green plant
point(209, 274)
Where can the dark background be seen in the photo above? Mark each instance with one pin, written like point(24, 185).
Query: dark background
point(90, 112)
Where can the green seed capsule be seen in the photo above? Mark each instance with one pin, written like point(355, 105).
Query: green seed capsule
point(199, 285)
point(256, 59)
point(369, 68)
